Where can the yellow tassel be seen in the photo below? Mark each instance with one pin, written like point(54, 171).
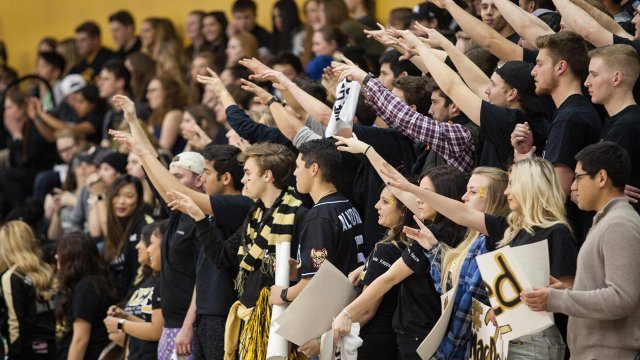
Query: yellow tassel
point(254, 337)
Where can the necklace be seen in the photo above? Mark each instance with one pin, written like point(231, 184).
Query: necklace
point(327, 193)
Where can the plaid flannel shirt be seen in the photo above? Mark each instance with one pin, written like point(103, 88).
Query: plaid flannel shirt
point(451, 141)
point(456, 341)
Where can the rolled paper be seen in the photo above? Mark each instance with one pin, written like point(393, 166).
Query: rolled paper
point(278, 347)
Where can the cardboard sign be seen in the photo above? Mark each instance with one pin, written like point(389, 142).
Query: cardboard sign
point(310, 315)
point(507, 272)
point(487, 342)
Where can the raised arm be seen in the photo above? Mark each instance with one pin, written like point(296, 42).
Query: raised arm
point(448, 81)
point(524, 23)
point(355, 146)
point(310, 104)
point(454, 210)
point(159, 176)
point(218, 87)
point(481, 33)
point(451, 141)
point(605, 20)
point(580, 21)
point(286, 122)
point(472, 75)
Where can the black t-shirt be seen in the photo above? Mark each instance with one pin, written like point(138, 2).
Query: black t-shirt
point(575, 125)
point(142, 302)
point(90, 68)
point(122, 53)
point(179, 258)
point(214, 286)
point(530, 56)
point(89, 302)
point(563, 252)
point(332, 230)
point(418, 303)
point(394, 148)
point(514, 38)
point(380, 260)
point(624, 41)
point(623, 129)
point(497, 124)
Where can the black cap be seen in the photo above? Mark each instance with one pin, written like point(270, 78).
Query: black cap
point(116, 160)
point(518, 75)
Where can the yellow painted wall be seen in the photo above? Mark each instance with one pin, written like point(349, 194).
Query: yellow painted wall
point(24, 22)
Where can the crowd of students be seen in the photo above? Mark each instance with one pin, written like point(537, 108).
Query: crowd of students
point(145, 192)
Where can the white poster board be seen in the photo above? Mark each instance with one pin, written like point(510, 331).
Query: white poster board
point(310, 315)
point(431, 343)
point(507, 272)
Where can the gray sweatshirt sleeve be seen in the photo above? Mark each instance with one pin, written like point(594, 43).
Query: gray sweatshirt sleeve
point(619, 251)
point(303, 135)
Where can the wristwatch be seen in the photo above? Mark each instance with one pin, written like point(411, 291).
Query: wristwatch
point(283, 295)
point(272, 100)
point(121, 325)
point(367, 78)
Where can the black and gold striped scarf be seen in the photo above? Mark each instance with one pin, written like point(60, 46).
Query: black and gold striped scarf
point(264, 228)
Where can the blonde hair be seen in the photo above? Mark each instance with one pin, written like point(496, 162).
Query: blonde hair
point(19, 249)
point(536, 186)
point(496, 205)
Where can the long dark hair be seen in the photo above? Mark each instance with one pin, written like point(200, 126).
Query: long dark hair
point(450, 182)
point(119, 228)
point(283, 40)
point(79, 258)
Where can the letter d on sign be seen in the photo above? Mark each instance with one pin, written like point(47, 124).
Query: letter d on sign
point(505, 278)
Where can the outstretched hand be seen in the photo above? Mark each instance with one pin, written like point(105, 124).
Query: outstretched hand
point(262, 95)
point(184, 204)
point(255, 65)
point(351, 144)
point(280, 81)
point(422, 235)
point(126, 138)
point(126, 105)
point(396, 179)
point(435, 38)
point(212, 80)
point(350, 72)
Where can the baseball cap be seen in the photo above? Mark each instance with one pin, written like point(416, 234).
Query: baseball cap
point(189, 160)
point(72, 83)
point(518, 75)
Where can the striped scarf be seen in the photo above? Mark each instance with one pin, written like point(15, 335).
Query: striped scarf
point(264, 228)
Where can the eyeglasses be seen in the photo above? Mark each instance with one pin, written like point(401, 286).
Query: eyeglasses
point(576, 177)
